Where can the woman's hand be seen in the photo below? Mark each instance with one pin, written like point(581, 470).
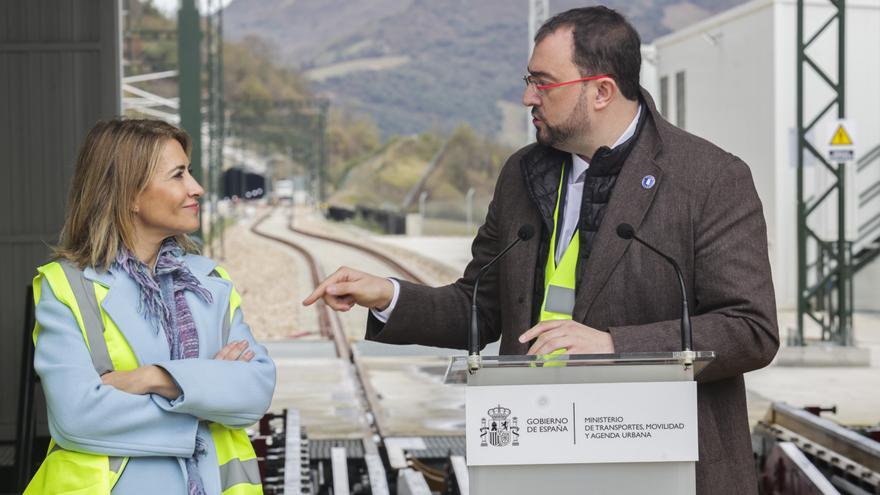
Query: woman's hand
point(144, 380)
point(235, 351)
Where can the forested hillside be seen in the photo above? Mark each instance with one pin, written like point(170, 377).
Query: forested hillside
point(415, 65)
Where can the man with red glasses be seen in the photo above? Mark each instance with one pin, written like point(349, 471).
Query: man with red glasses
point(604, 157)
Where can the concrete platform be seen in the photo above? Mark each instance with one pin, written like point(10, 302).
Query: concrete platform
point(413, 400)
point(324, 391)
point(852, 389)
point(824, 355)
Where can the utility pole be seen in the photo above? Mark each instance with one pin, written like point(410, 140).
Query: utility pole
point(214, 153)
point(322, 107)
point(221, 123)
point(189, 83)
point(212, 131)
point(539, 11)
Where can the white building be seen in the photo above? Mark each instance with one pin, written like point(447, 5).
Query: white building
point(732, 79)
point(648, 72)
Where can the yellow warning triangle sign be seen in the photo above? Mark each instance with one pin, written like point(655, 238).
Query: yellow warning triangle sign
point(841, 138)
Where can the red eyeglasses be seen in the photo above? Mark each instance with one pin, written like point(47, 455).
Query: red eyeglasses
point(541, 89)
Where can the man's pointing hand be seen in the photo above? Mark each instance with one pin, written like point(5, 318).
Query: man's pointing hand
point(347, 287)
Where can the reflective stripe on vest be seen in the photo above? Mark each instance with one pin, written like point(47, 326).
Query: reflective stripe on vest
point(234, 302)
point(84, 294)
point(68, 471)
point(235, 470)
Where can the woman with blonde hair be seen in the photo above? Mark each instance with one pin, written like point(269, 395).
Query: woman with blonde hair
point(148, 368)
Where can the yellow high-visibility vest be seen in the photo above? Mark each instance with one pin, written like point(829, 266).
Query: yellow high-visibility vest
point(560, 278)
point(68, 472)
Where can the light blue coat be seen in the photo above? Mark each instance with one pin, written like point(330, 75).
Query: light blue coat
point(158, 435)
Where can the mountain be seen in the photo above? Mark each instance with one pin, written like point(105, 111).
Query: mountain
point(444, 166)
point(416, 65)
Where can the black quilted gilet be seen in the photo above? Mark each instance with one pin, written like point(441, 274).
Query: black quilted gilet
point(541, 169)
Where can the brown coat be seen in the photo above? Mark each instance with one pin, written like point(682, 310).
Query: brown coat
point(704, 212)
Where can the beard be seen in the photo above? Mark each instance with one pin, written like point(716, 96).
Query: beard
point(560, 136)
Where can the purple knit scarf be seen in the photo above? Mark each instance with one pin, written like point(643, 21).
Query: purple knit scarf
point(163, 302)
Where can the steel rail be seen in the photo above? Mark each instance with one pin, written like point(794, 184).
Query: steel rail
point(332, 328)
point(328, 329)
point(384, 258)
point(329, 321)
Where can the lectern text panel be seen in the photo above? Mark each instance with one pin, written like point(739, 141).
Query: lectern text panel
point(581, 423)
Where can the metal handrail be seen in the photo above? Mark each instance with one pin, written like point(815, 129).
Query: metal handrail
point(868, 158)
point(869, 230)
point(870, 193)
point(865, 230)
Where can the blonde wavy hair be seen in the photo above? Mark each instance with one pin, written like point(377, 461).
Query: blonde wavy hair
point(115, 164)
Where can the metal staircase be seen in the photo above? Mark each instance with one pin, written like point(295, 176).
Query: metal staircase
point(866, 247)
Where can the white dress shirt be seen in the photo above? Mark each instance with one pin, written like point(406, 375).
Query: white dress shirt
point(575, 192)
point(570, 215)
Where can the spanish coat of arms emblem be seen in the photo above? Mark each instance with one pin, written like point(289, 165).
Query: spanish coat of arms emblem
point(497, 430)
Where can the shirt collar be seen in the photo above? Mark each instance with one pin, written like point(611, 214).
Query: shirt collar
point(580, 165)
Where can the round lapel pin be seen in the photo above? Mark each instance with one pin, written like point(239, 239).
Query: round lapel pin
point(648, 181)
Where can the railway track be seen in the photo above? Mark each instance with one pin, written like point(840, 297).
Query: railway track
point(371, 456)
point(331, 328)
point(328, 321)
point(330, 324)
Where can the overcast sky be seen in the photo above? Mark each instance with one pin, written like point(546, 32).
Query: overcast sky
point(171, 6)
